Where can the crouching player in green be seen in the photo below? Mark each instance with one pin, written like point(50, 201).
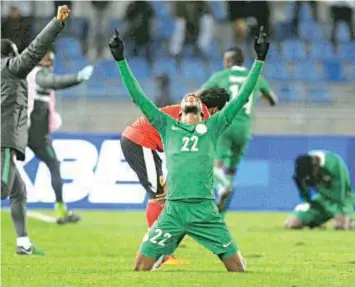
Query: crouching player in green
point(328, 175)
point(233, 143)
point(189, 145)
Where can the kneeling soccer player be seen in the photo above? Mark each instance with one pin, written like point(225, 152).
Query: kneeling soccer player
point(327, 174)
point(190, 150)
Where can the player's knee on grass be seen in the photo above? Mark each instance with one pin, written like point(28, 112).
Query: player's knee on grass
point(143, 263)
point(236, 263)
point(292, 222)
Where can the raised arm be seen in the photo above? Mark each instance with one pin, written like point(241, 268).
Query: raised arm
point(48, 80)
point(23, 64)
point(153, 114)
point(227, 115)
point(266, 91)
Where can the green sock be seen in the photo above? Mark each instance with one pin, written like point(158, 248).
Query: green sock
point(61, 209)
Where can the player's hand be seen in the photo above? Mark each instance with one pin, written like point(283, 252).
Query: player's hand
point(86, 73)
point(116, 46)
point(63, 13)
point(160, 198)
point(261, 45)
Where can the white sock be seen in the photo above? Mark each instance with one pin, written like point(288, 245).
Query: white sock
point(24, 242)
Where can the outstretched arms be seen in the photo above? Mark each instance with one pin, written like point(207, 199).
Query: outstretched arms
point(49, 80)
point(22, 65)
point(153, 114)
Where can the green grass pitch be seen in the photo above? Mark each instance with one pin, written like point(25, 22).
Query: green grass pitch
point(100, 251)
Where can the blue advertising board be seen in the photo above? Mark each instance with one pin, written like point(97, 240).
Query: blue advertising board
point(97, 176)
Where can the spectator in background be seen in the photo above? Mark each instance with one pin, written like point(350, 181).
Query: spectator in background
point(342, 11)
point(99, 28)
point(17, 28)
point(194, 25)
point(139, 16)
point(296, 16)
point(163, 85)
point(247, 17)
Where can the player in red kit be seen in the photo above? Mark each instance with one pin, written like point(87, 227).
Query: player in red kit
point(140, 144)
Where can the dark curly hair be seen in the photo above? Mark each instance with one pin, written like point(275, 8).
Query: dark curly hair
point(214, 97)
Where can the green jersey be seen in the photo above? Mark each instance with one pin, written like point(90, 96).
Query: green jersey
point(335, 187)
point(189, 148)
point(232, 79)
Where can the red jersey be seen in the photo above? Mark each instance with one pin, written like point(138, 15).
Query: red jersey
point(144, 134)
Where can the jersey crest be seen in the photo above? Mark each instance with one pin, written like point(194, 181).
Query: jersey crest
point(201, 129)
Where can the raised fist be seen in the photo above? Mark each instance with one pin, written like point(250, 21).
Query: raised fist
point(116, 46)
point(63, 13)
point(261, 45)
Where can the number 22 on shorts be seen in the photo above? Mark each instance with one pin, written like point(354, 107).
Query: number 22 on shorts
point(154, 238)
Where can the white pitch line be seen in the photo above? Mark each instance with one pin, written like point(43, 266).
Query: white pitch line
point(41, 216)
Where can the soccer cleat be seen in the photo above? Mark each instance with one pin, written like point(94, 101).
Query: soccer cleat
point(172, 260)
point(69, 217)
point(20, 250)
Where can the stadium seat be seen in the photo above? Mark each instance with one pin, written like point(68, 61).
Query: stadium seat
point(306, 72)
point(277, 72)
point(219, 10)
point(342, 33)
point(106, 69)
point(161, 9)
point(140, 67)
point(347, 51)
point(289, 93)
point(293, 50)
point(274, 53)
point(179, 88)
point(115, 23)
point(322, 51)
point(333, 71)
point(283, 30)
point(68, 47)
point(214, 51)
point(194, 69)
point(165, 66)
point(78, 26)
point(164, 28)
point(318, 94)
point(311, 31)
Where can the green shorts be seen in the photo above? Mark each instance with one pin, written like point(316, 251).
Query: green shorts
point(231, 147)
point(199, 220)
point(314, 214)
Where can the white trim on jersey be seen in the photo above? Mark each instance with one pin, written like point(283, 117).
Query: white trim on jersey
point(150, 168)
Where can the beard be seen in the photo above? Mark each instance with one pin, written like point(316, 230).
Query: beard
point(190, 109)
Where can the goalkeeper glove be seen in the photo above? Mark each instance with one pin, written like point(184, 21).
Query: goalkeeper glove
point(261, 45)
point(116, 46)
point(85, 74)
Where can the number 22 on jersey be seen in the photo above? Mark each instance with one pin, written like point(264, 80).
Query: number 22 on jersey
point(234, 88)
point(189, 143)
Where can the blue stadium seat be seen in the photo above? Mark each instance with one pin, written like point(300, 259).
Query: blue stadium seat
point(274, 53)
point(78, 26)
point(311, 31)
point(194, 69)
point(161, 9)
point(318, 94)
point(179, 88)
point(306, 72)
point(216, 66)
point(333, 71)
point(140, 67)
point(106, 69)
point(293, 50)
point(277, 72)
point(322, 51)
point(289, 93)
point(342, 32)
point(164, 28)
point(305, 12)
point(214, 51)
point(68, 47)
point(165, 66)
point(283, 30)
point(352, 73)
point(115, 23)
point(347, 51)
point(218, 9)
